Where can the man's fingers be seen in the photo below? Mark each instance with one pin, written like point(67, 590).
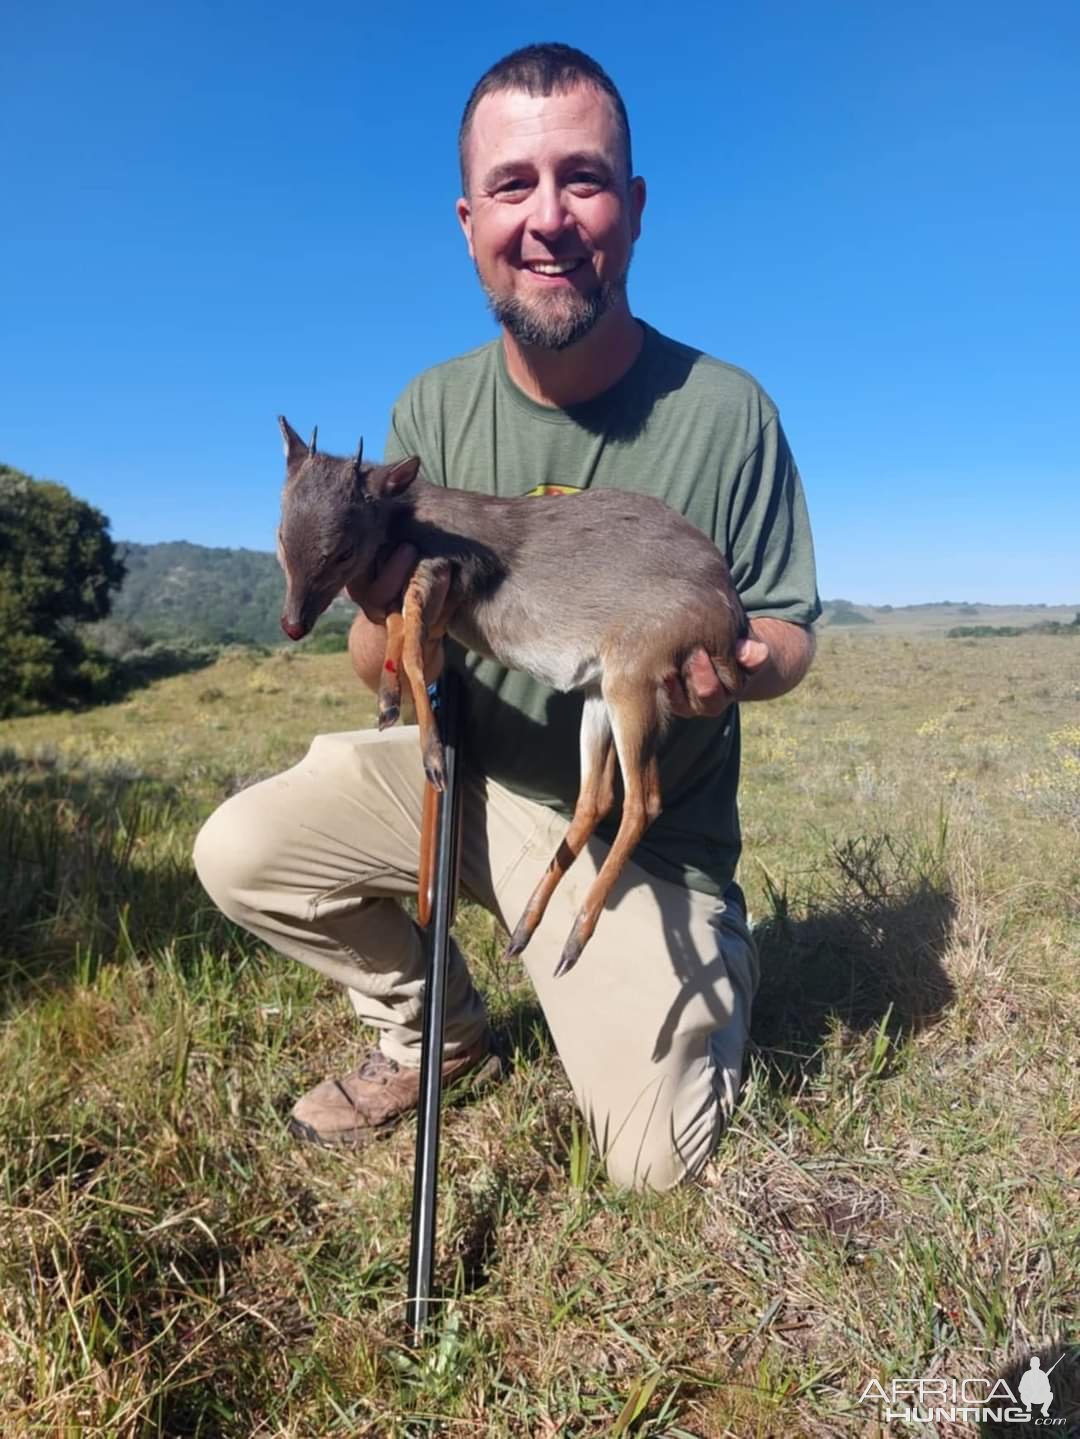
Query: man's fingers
point(698, 689)
point(751, 654)
point(394, 575)
point(380, 594)
point(700, 676)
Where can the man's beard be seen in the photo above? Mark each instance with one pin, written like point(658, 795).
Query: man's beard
point(559, 320)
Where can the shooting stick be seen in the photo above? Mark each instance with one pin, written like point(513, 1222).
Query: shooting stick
point(439, 849)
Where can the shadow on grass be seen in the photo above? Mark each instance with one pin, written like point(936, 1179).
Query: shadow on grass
point(521, 1033)
point(866, 950)
point(116, 678)
point(94, 866)
point(160, 661)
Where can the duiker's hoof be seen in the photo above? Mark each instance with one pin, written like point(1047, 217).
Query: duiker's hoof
point(434, 764)
point(388, 717)
point(518, 940)
point(570, 956)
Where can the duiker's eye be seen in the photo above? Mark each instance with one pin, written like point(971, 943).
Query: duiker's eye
point(344, 556)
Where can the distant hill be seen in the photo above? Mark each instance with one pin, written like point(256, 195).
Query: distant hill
point(178, 590)
point(941, 616)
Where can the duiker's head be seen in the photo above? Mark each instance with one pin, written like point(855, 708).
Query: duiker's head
point(334, 516)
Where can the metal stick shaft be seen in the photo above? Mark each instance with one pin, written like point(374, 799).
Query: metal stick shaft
point(425, 1180)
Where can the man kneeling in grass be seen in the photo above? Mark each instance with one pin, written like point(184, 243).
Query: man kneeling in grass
point(575, 392)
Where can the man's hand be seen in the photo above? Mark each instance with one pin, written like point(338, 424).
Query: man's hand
point(773, 659)
point(386, 589)
point(713, 696)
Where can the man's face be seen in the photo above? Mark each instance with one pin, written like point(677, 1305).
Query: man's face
point(550, 217)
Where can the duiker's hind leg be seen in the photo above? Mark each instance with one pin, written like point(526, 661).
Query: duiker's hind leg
point(637, 722)
point(390, 677)
point(424, 613)
point(595, 798)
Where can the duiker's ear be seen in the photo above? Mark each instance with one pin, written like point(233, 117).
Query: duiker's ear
point(296, 451)
point(389, 480)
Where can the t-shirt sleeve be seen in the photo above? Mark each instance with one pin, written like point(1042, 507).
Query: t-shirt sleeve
point(416, 429)
point(401, 440)
point(769, 544)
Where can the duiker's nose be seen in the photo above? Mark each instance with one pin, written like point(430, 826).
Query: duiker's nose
point(293, 628)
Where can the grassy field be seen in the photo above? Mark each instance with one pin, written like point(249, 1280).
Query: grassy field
point(898, 1196)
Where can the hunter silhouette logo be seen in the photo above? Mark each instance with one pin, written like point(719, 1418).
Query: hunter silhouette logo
point(1035, 1389)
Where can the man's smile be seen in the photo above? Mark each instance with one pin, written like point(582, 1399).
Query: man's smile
point(553, 269)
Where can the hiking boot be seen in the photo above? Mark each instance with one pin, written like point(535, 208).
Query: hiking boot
point(371, 1101)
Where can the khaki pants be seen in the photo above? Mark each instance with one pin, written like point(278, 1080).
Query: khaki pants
point(651, 1025)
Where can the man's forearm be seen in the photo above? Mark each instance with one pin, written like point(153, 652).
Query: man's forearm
point(791, 650)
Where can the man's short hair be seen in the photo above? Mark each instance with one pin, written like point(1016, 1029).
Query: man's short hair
point(550, 69)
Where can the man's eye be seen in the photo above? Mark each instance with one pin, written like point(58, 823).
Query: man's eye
point(585, 180)
point(512, 187)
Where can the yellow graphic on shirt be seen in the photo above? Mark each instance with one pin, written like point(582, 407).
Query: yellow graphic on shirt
point(553, 490)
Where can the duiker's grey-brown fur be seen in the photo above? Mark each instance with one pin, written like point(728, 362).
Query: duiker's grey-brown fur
point(604, 591)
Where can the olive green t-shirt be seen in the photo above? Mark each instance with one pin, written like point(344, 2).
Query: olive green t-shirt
point(690, 430)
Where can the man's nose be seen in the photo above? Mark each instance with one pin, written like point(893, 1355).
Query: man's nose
point(549, 216)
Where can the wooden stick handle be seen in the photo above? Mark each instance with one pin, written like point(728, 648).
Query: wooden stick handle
point(429, 844)
point(429, 830)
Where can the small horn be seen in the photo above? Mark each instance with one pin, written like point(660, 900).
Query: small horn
point(360, 453)
point(314, 434)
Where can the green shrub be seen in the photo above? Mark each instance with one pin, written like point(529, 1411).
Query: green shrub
point(58, 568)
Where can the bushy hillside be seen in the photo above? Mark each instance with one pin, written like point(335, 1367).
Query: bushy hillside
point(215, 596)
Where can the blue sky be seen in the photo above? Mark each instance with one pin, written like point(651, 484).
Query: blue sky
point(213, 213)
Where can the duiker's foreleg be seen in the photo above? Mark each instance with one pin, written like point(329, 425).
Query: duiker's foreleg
point(425, 615)
point(390, 675)
point(595, 798)
point(637, 722)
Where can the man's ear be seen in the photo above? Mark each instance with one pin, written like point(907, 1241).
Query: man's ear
point(390, 480)
point(637, 204)
point(463, 210)
point(296, 449)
